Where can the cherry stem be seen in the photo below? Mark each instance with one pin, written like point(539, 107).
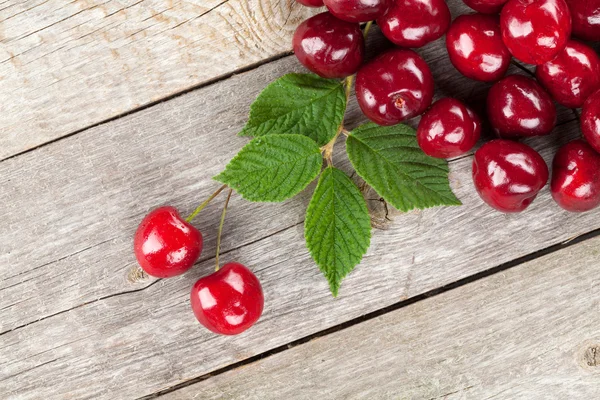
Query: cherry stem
point(367, 29)
point(205, 203)
point(221, 228)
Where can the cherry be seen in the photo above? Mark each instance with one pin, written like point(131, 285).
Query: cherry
point(476, 48)
point(329, 47)
point(575, 184)
point(572, 76)
point(590, 120)
point(311, 3)
point(508, 175)
point(519, 106)
point(165, 245)
point(486, 6)
point(229, 301)
point(414, 23)
point(395, 86)
point(585, 16)
point(535, 31)
point(357, 10)
point(448, 129)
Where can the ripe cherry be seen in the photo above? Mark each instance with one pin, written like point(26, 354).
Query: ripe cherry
point(357, 10)
point(448, 129)
point(165, 245)
point(311, 3)
point(575, 184)
point(508, 175)
point(590, 120)
point(414, 23)
point(395, 86)
point(476, 49)
point(535, 31)
point(572, 76)
point(328, 46)
point(519, 106)
point(585, 15)
point(229, 301)
point(486, 6)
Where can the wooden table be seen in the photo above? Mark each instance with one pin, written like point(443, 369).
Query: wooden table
point(113, 107)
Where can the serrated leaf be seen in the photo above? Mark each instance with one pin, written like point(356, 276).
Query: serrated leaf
point(337, 228)
point(303, 104)
point(273, 168)
point(390, 160)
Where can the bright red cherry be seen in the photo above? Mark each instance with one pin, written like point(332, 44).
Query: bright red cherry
point(448, 129)
point(395, 86)
point(590, 120)
point(486, 6)
point(586, 18)
point(476, 49)
point(572, 76)
point(311, 3)
point(414, 23)
point(508, 175)
point(575, 184)
point(328, 46)
point(358, 10)
point(519, 106)
point(535, 31)
point(228, 301)
point(165, 245)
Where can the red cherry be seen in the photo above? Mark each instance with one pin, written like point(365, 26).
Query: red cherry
point(229, 301)
point(311, 3)
point(519, 106)
point(476, 48)
point(572, 76)
point(535, 31)
point(165, 245)
point(357, 10)
point(590, 120)
point(448, 129)
point(329, 47)
point(508, 175)
point(486, 6)
point(585, 15)
point(575, 184)
point(414, 23)
point(395, 86)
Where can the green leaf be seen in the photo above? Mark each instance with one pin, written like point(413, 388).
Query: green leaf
point(390, 160)
point(337, 226)
point(303, 104)
point(273, 168)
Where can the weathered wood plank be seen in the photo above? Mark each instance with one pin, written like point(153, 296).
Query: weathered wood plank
point(530, 332)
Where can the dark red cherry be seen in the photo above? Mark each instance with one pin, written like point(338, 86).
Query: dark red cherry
point(357, 10)
point(414, 23)
point(519, 106)
point(535, 31)
point(328, 46)
point(165, 245)
point(395, 86)
point(229, 301)
point(575, 184)
point(508, 175)
point(448, 129)
point(572, 76)
point(585, 15)
point(311, 3)
point(476, 49)
point(486, 6)
point(590, 120)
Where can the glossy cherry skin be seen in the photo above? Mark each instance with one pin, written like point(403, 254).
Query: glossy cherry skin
point(508, 175)
point(357, 10)
point(328, 46)
point(165, 245)
point(414, 23)
point(535, 31)
point(229, 301)
point(575, 183)
point(519, 106)
point(486, 6)
point(448, 129)
point(585, 15)
point(393, 87)
point(476, 49)
point(590, 120)
point(572, 76)
point(311, 3)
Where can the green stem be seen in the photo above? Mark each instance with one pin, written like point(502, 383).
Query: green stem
point(221, 228)
point(367, 28)
point(205, 203)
